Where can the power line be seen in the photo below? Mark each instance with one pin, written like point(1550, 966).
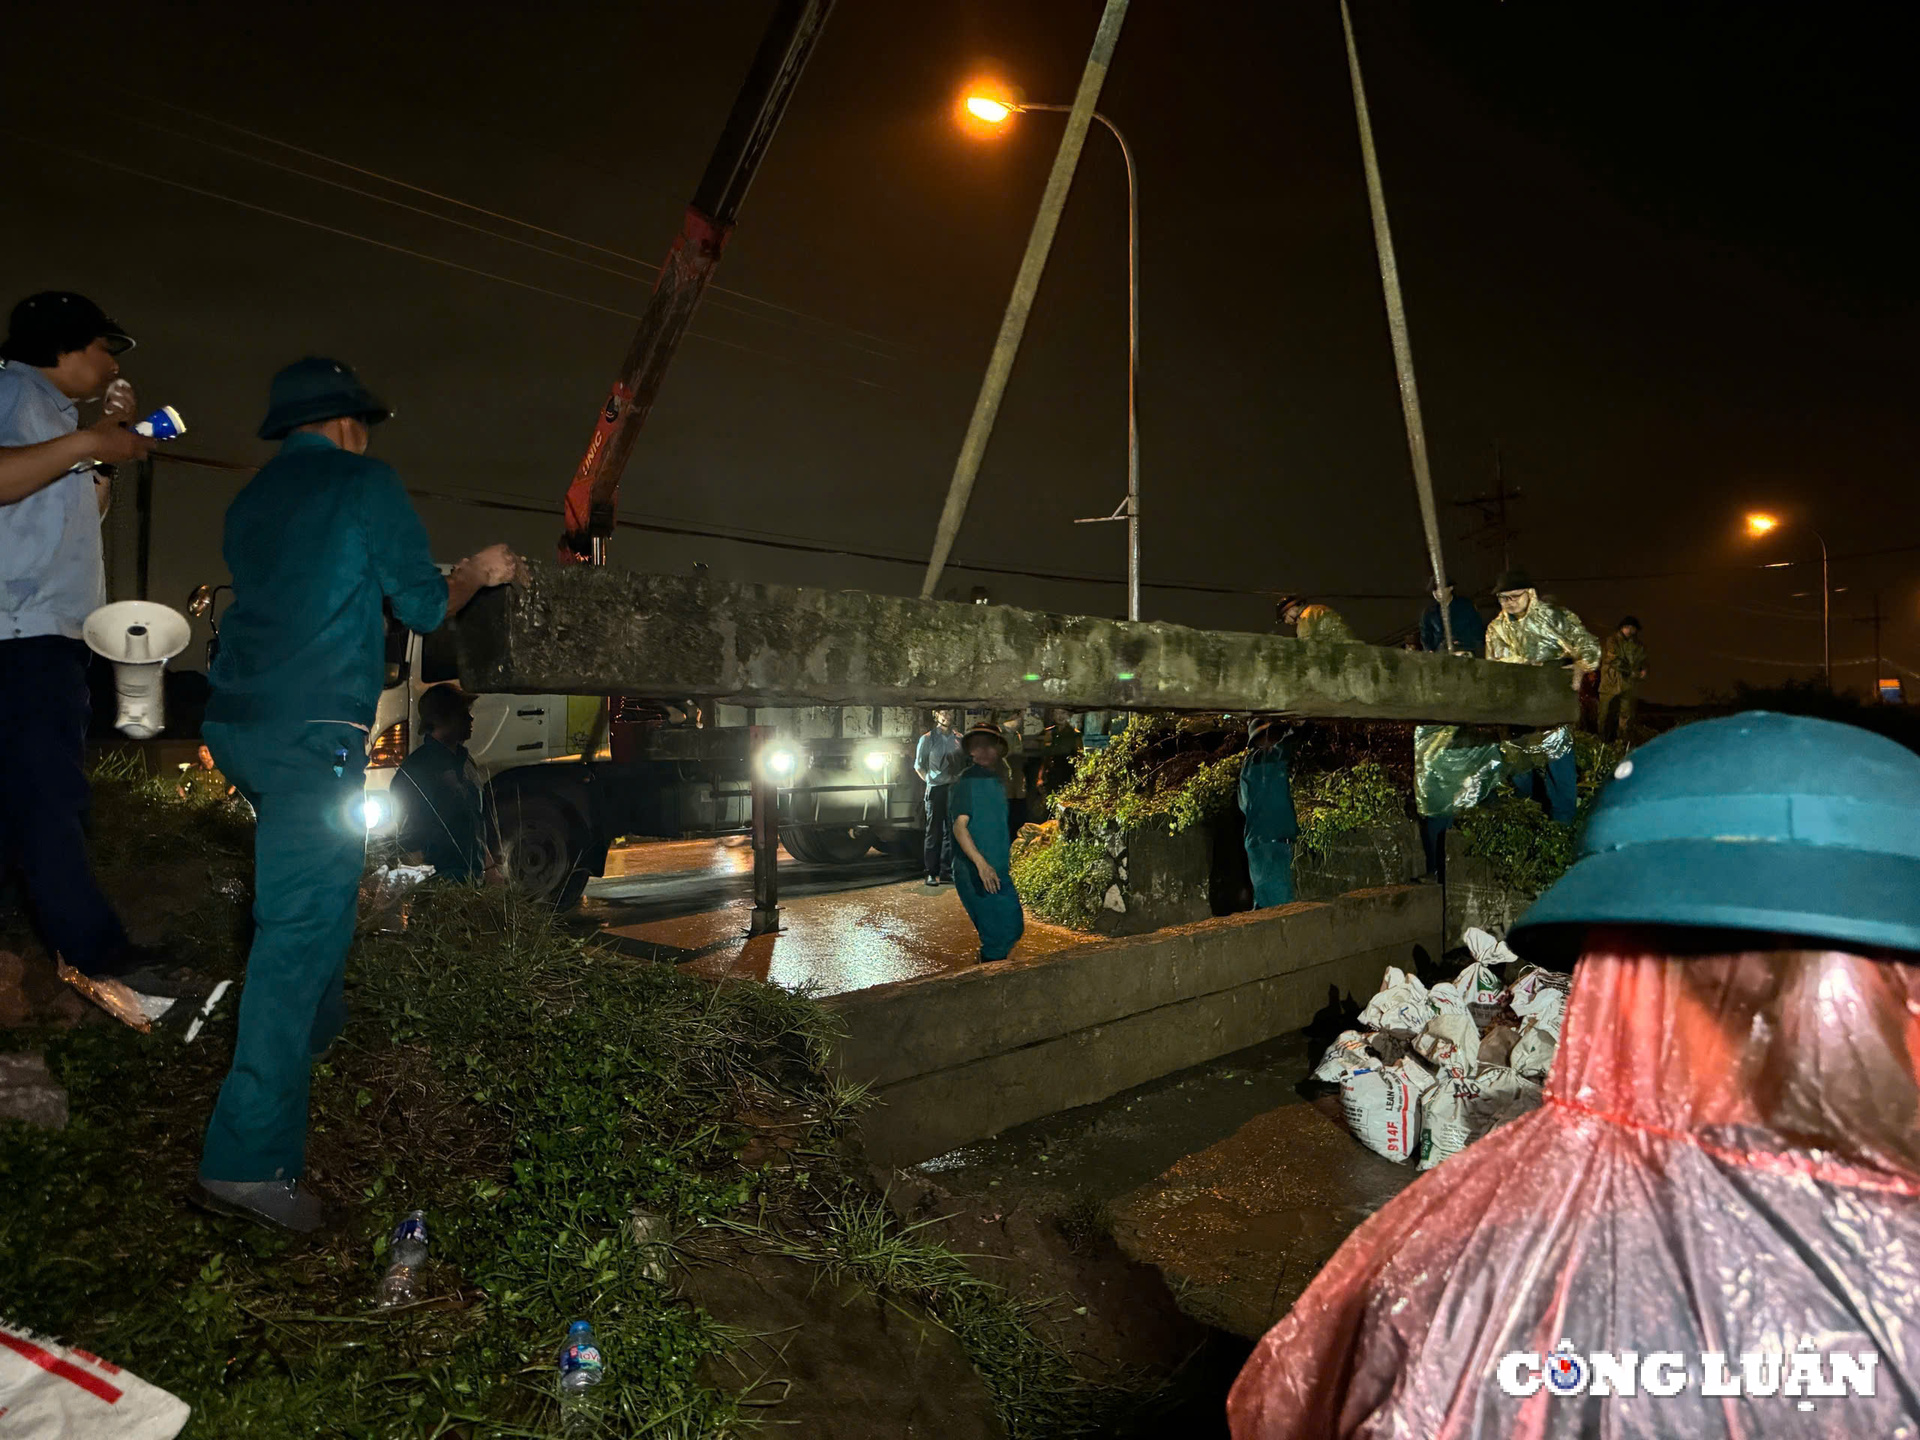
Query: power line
point(493, 214)
point(152, 178)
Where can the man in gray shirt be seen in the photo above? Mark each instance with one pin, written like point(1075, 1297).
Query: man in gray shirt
point(938, 761)
point(59, 349)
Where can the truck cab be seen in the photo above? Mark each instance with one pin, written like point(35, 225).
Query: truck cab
point(572, 775)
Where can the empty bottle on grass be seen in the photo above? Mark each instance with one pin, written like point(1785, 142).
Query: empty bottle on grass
point(580, 1358)
point(406, 1253)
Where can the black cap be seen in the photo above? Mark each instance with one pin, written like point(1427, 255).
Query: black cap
point(46, 326)
point(1512, 580)
point(1633, 620)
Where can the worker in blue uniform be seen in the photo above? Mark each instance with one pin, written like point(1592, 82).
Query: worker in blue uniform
point(317, 540)
point(1266, 800)
point(977, 809)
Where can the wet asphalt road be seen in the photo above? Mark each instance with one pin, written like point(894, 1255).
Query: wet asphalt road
point(843, 927)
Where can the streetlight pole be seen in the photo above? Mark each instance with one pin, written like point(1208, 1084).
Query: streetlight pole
point(1129, 509)
point(1826, 613)
point(994, 112)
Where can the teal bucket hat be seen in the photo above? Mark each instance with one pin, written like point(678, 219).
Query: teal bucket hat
point(316, 389)
point(1753, 822)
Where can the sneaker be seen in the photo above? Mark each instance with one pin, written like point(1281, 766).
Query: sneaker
point(148, 971)
point(933, 882)
point(277, 1204)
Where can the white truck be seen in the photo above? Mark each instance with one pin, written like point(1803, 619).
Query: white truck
point(845, 774)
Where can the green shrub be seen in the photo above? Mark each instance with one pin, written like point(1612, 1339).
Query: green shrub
point(1362, 797)
point(1059, 879)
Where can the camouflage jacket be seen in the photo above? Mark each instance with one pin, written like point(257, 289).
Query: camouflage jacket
point(1546, 635)
point(1620, 667)
point(1324, 625)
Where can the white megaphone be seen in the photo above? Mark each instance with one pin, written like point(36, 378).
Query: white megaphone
point(139, 637)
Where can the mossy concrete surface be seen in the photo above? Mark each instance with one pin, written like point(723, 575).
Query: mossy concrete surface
point(586, 631)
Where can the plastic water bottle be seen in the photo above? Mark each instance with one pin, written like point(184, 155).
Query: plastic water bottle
point(579, 1358)
point(406, 1253)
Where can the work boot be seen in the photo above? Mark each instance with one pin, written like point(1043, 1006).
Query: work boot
point(277, 1204)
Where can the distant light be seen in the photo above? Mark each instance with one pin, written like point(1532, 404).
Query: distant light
point(781, 762)
point(1761, 523)
point(1124, 675)
point(1030, 679)
point(1778, 565)
point(983, 107)
point(876, 760)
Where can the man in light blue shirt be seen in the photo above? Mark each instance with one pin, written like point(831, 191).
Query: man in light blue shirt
point(59, 349)
point(938, 761)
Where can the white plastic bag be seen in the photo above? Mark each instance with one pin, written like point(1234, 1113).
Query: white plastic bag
point(1462, 1108)
point(1346, 1055)
point(1451, 1042)
point(1537, 992)
point(1402, 1005)
point(48, 1392)
point(1486, 948)
point(1383, 1107)
point(1533, 1052)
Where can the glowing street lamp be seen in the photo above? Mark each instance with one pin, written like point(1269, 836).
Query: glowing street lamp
point(1760, 522)
point(992, 111)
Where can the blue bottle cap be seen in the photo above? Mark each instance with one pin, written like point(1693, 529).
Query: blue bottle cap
point(577, 1326)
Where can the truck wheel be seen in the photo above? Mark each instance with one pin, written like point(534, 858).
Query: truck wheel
point(827, 844)
point(545, 849)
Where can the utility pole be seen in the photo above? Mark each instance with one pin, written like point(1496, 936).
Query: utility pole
point(1876, 620)
point(1495, 516)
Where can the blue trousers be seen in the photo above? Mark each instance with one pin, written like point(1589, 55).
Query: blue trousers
point(310, 840)
point(1561, 783)
point(937, 852)
point(998, 917)
point(44, 708)
point(1270, 863)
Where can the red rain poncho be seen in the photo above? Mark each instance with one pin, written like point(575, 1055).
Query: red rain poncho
point(1727, 1161)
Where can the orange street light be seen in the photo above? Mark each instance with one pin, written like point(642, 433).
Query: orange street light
point(1759, 522)
point(985, 107)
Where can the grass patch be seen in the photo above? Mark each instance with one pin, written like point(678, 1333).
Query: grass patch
point(527, 1089)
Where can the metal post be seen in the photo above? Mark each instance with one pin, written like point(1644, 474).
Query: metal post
point(1826, 613)
point(1026, 284)
point(766, 837)
point(1131, 508)
point(1397, 328)
point(143, 514)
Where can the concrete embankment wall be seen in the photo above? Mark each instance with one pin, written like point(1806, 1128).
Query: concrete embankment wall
point(957, 1058)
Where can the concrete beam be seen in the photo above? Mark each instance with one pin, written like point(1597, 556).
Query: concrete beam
point(955, 1058)
point(583, 631)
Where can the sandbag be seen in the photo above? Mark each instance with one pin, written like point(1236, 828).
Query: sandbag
point(50, 1392)
point(1402, 1005)
point(1450, 1042)
point(1462, 1108)
point(1347, 1054)
point(1382, 1105)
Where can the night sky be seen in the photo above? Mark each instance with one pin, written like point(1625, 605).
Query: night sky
point(1661, 254)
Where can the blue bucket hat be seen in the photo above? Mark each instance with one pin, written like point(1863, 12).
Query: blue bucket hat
point(316, 389)
point(1754, 822)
